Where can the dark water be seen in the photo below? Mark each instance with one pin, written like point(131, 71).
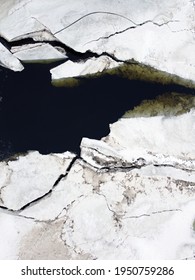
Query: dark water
point(34, 115)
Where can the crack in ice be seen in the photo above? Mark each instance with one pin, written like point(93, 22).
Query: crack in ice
point(130, 27)
point(38, 199)
point(92, 13)
point(152, 213)
point(13, 11)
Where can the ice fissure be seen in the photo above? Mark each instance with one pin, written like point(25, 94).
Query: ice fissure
point(131, 194)
point(106, 22)
point(38, 198)
point(136, 25)
point(27, 44)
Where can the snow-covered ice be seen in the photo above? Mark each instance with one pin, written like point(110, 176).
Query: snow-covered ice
point(91, 66)
point(119, 200)
point(38, 52)
point(155, 33)
point(130, 195)
point(8, 60)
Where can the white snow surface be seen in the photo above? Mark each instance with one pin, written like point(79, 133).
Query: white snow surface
point(170, 136)
point(91, 66)
point(119, 200)
point(37, 52)
point(13, 229)
point(16, 22)
point(8, 60)
point(29, 178)
point(131, 195)
point(156, 33)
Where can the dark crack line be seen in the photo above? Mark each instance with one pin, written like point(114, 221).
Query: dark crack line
point(182, 30)
point(101, 194)
point(137, 217)
point(165, 211)
point(152, 213)
point(16, 213)
point(72, 163)
point(29, 35)
point(116, 159)
point(128, 28)
point(112, 56)
point(33, 46)
point(71, 54)
point(35, 201)
point(101, 153)
point(45, 27)
point(116, 217)
point(62, 176)
point(125, 167)
point(174, 166)
point(42, 29)
point(21, 7)
point(121, 168)
point(118, 15)
point(66, 208)
point(111, 169)
point(67, 171)
point(92, 13)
